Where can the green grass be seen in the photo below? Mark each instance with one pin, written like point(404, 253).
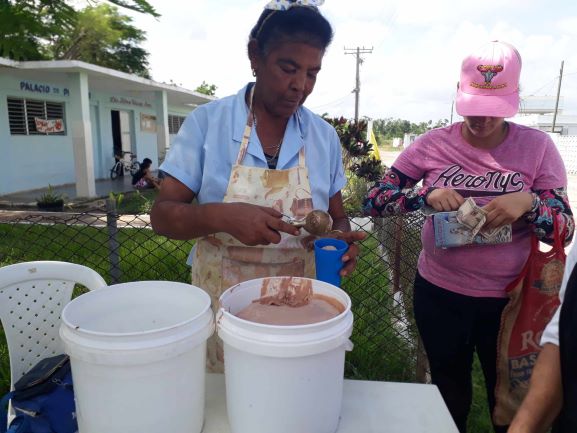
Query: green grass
point(479, 420)
point(4, 365)
point(143, 255)
point(135, 202)
point(380, 353)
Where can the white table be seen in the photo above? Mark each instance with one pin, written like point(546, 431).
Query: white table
point(368, 407)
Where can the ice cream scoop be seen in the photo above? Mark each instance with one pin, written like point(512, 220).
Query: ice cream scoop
point(317, 222)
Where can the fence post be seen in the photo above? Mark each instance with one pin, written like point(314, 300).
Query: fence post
point(113, 244)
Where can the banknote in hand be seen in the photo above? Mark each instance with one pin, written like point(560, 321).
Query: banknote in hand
point(471, 216)
point(497, 234)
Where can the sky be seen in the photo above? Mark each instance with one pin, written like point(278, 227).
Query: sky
point(417, 48)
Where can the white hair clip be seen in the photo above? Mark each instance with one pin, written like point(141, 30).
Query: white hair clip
point(283, 5)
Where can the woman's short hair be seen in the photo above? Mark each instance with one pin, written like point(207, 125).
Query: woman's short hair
point(296, 24)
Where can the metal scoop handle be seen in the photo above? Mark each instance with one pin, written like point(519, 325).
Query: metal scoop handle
point(309, 224)
point(295, 222)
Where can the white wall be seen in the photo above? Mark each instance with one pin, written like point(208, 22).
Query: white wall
point(144, 143)
point(177, 111)
point(544, 122)
point(567, 146)
point(31, 162)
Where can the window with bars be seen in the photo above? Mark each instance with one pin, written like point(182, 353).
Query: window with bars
point(174, 123)
point(21, 114)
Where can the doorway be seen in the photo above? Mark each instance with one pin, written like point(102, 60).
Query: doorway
point(122, 137)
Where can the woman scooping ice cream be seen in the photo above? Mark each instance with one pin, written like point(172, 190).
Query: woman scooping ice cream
point(254, 156)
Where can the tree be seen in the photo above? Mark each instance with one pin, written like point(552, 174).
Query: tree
point(101, 35)
point(390, 128)
point(141, 6)
point(361, 168)
point(206, 89)
point(26, 25)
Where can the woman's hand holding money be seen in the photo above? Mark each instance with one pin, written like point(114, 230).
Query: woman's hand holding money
point(507, 209)
point(444, 199)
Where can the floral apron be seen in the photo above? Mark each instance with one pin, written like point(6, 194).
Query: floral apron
point(220, 261)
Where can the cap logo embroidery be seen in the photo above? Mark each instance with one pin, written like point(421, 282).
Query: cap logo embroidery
point(489, 72)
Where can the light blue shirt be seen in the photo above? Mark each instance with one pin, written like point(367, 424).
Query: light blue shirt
point(207, 145)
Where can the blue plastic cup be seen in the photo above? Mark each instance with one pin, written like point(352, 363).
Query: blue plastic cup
point(328, 259)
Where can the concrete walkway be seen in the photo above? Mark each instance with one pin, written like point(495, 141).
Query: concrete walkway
point(92, 219)
point(103, 188)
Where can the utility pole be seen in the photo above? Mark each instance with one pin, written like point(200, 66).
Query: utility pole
point(357, 90)
point(557, 101)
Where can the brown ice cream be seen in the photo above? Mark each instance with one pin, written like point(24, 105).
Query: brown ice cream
point(290, 301)
point(293, 291)
point(318, 222)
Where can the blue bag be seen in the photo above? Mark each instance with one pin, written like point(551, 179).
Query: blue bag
point(43, 400)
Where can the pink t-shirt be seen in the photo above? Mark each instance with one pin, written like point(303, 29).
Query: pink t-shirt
point(526, 160)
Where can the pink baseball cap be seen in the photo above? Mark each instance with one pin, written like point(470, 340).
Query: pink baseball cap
point(489, 84)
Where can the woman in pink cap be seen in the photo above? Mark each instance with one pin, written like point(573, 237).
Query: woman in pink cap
point(516, 174)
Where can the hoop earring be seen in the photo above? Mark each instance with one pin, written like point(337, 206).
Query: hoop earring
point(254, 72)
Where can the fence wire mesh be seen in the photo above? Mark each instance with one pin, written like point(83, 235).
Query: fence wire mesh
point(124, 248)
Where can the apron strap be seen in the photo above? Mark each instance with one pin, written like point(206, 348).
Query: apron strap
point(247, 130)
point(302, 157)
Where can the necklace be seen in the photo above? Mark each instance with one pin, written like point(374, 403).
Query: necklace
point(276, 149)
point(274, 156)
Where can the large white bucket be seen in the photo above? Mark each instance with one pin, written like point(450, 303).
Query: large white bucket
point(138, 355)
point(283, 379)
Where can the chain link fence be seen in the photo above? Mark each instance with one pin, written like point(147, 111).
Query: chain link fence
point(124, 248)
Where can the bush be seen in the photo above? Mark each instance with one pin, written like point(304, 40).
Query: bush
point(50, 200)
point(361, 168)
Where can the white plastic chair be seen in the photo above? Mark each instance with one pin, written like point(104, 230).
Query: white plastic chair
point(32, 296)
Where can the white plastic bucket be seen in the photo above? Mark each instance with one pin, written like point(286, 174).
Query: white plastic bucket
point(138, 354)
point(283, 379)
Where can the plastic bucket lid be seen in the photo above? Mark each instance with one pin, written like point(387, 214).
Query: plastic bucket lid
point(136, 323)
point(276, 340)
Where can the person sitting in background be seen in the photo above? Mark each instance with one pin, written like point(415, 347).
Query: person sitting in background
point(143, 179)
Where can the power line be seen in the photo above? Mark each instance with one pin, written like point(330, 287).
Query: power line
point(357, 90)
point(548, 83)
point(551, 82)
point(335, 102)
point(391, 23)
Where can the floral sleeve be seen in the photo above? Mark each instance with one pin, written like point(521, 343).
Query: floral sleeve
point(548, 205)
point(394, 194)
